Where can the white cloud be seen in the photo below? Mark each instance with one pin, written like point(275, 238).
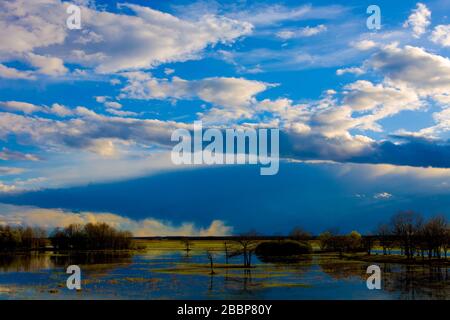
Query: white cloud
point(363, 95)
point(24, 107)
point(82, 130)
point(364, 45)
point(53, 218)
point(113, 104)
point(169, 71)
point(122, 113)
point(382, 195)
point(47, 65)
point(109, 42)
point(419, 20)
point(11, 73)
point(234, 95)
point(301, 32)
point(4, 188)
point(441, 35)
point(425, 72)
point(166, 38)
point(351, 70)
point(60, 110)
point(29, 108)
point(34, 24)
point(101, 99)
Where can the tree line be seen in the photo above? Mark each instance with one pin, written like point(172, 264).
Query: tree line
point(415, 236)
point(73, 237)
point(21, 238)
point(406, 230)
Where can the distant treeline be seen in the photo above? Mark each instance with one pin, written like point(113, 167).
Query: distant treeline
point(20, 238)
point(74, 237)
point(406, 230)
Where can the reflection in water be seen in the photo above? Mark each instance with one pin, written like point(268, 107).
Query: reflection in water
point(36, 261)
point(171, 274)
point(25, 262)
point(240, 282)
point(419, 282)
point(408, 281)
point(341, 269)
point(63, 259)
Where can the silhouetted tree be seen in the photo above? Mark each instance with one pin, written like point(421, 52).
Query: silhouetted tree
point(384, 233)
point(407, 225)
point(247, 243)
point(22, 238)
point(434, 235)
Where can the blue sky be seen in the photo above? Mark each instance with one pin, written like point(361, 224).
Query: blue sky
point(87, 114)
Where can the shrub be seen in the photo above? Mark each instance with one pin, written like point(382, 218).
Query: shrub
point(90, 237)
point(281, 250)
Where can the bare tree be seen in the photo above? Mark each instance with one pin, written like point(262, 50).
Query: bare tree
point(210, 256)
point(247, 243)
point(434, 236)
point(406, 225)
point(384, 233)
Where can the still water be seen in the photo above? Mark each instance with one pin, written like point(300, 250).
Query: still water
point(175, 274)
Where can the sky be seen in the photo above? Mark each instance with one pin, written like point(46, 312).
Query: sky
point(86, 115)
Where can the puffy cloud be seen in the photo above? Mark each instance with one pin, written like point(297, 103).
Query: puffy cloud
point(363, 95)
point(414, 67)
point(236, 95)
point(154, 37)
point(82, 130)
point(441, 35)
point(59, 110)
point(442, 120)
point(419, 20)
point(109, 42)
point(221, 91)
point(24, 107)
point(53, 218)
point(51, 66)
point(103, 147)
point(34, 24)
point(29, 108)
